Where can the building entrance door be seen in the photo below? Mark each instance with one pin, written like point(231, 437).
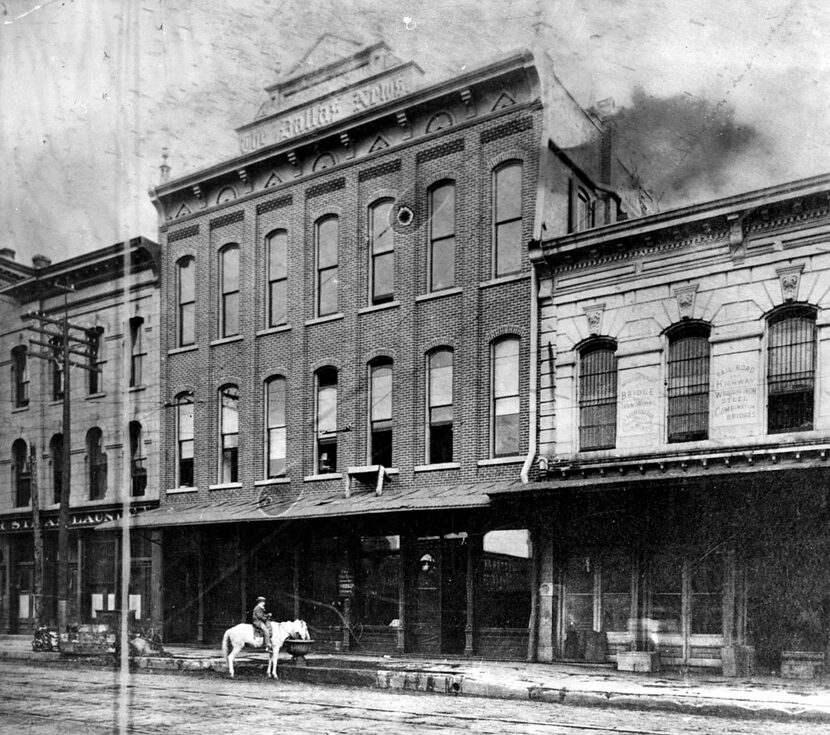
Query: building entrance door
point(24, 619)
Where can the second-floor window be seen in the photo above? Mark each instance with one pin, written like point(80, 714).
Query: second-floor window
point(184, 440)
point(688, 384)
point(138, 470)
point(57, 368)
point(229, 434)
point(21, 476)
point(791, 369)
point(326, 288)
point(382, 246)
point(598, 395)
point(229, 290)
point(20, 377)
point(96, 464)
point(186, 302)
point(507, 219)
point(56, 455)
point(275, 427)
point(442, 236)
point(95, 347)
point(380, 412)
point(505, 397)
point(136, 351)
point(326, 421)
point(439, 406)
point(277, 247)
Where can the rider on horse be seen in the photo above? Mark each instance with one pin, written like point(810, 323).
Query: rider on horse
point(262, 621)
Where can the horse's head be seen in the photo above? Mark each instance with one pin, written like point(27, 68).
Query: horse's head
point(301, 630)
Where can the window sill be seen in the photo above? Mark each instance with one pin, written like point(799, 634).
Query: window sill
point(379, 307)
point(324, 319)
point(438, 294)
point(56, 402)
point(273, 481)
point(437, 467)
point(94, 396)
point(136, 388)
point(226, 340)
point(181, 490)
point(19, 409)
point(513, 459)
point(179, 350)
point(319, 478)
point(274, 330)
point(512, 278)
point(225, 486)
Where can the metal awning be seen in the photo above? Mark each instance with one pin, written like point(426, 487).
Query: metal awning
point(309, 505)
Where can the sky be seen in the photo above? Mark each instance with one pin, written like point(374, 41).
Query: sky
point(715, 98)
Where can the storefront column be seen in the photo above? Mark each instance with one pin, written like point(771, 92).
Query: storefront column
point(5, 585)
point(471, 590)
point(546, 585)
point(156, 581)
point(407, 543)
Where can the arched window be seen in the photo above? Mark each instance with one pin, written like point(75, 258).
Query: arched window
point(504, 398)
point(96, 464)
point(507, 219)
point(382, 247)
point(21, 477)
point(138, 472)
point(186, 301)
point(56, 456)
point(791, 369)
point(137, 352)
point(380, 412)
point(228, 434)
point(184, 440)
point(229, 290)
point(275, 439)
point(439, 406)
point(326, 420)
point(598, 395)
point(442, 236)
point(688, 383)
point(57, 368)
point(20, 377)
point(95, 351)
point(277, 247)
point(326, 236)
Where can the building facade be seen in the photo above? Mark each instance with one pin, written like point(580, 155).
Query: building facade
point(111, 297)
point(349, 342)
point(685, 425)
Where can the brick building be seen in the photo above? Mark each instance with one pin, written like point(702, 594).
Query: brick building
point(350, 347)
point(685, 418)
point(113, 297)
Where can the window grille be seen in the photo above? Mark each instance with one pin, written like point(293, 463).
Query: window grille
point(598, 397)
point(688, 385)
point(791, 358)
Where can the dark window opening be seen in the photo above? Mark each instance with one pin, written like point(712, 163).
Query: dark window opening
point(791, 365)
point(598, 397)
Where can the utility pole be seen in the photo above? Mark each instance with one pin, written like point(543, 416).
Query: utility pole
point(60, 346)
point(38, 535)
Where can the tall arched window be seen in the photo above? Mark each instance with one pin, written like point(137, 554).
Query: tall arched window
point(442, 236)
point(186, 301)
point(380, 412)
point(138, 472)
point(326, 235)
point(326, 420)
point(382, 247)
point(440, 406)
point(504, 402)
point(96, 464)
point(507, 219)
point(20, 377)
point(229, 290)
point(184, 440)
point(277, 247)
point(95, 351)
point(56, 456)
point(21, 477)
point(229, 434)
point(791, 369)
point(275, 439)
point(688, 383)
point(137, 352)
point(598, 395)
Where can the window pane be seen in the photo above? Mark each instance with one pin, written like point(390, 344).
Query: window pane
point(383, 278)
point(509, 192)
point(276, 402)
point(440, 378)
point(279, 303)
point(327, 409)
point(506, 434)
point(185, 421)
point(382, 446)
point(443, 264)
point(382, 233)
point(187, 283)
point(276, 452)
point(506, 368)
point(506, 579)
point(230, 316)
point(277, 256)
point(230, 269)
point(508, 247)
point(440, 443)
point(327, 289)
point(443, 211)
point(381, 393)
point(230, 410)
point(327, 243)
point(707, 594)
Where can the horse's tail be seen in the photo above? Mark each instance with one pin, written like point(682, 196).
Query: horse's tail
point(226, 639)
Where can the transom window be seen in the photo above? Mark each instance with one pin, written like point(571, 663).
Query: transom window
point(688, 384)
point(20, 377)
point(327, 233)
point(277, 247)
point(184, 440)
point(186, 298)
point(440, 406)
point(229, 434)
point(382, 242)
point(507, 219)
point(229, 290)
point(275, 437)
point(598, 395)
point(380, 412)
point(791, 367)
point(442, 236)
point(326, 421)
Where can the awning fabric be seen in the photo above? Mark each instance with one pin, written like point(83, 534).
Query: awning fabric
point(314, 505)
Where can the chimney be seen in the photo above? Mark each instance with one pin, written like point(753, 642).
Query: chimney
point(41, 261)
point(7, 253)
point(164, 168)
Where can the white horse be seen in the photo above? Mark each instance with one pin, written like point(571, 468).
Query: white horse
point(244, 634)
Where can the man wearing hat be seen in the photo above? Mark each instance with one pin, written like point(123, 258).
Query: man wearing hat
point(262, 621)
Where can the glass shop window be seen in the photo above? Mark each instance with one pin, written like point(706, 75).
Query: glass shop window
point(665, 613)
point(506, 584)
point(380, 573)
point(707, 594)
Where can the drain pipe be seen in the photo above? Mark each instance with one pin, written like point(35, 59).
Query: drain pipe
point(533, 377)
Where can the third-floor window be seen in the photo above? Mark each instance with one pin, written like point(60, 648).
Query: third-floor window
point(442, 236)
point(507, 219)
point(229, 290)
point(326, 286)
point(277, 248)
point(137, 352)
point(186, 302)
point(382, 248)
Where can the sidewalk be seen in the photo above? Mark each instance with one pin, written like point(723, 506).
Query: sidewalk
point(701, 693)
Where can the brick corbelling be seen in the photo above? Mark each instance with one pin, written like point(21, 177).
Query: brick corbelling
point(227, 219)
point(273, 204)
point(183, 233)
point(325, 188)
point(384, 168)
point(516, 125)
point(438, 151)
